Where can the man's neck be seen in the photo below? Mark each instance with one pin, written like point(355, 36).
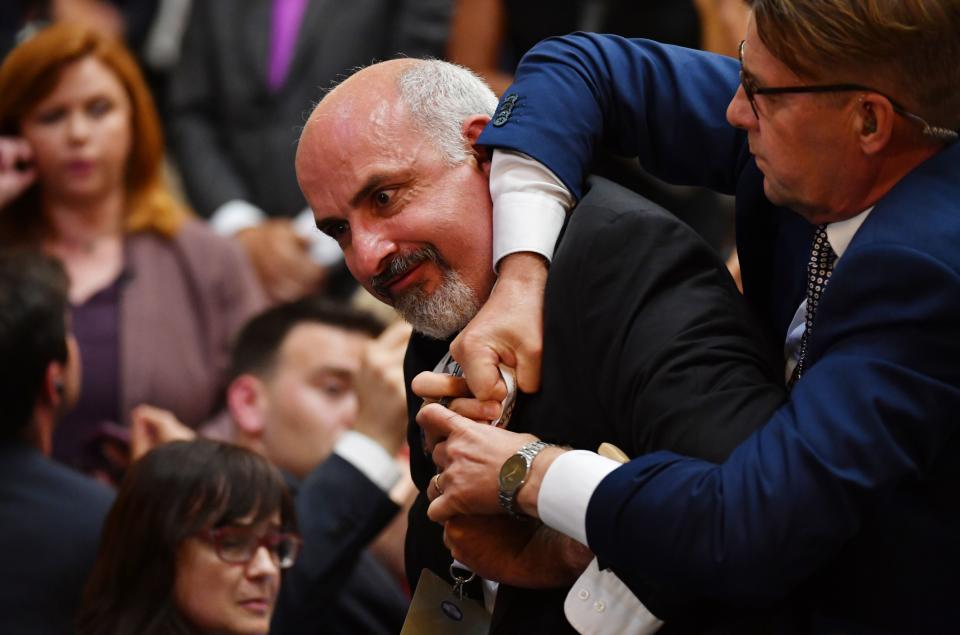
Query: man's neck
point(883, 175)
point(39, 433)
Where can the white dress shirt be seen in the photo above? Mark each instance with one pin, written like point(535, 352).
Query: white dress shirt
point(529, 205)
point(369, 457)
point(839, 234)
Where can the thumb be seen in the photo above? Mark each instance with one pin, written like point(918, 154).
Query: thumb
point(439, 421)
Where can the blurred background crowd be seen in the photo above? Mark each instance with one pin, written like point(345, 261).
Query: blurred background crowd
point(166, 293)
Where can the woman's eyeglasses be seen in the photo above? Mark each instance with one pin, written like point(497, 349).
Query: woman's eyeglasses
point(236, 544)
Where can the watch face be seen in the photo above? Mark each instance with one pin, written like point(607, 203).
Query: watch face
point(513, 472)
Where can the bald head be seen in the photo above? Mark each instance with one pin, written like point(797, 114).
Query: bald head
point(389, 164)
point(430, 96)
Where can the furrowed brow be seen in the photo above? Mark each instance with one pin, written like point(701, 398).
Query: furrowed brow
point(372, 184)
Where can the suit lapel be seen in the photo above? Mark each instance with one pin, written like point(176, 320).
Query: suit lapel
point(311, 26)
point(255, 24)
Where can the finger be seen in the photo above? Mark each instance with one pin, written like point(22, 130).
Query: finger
point(440, 510)
point(439, 455)
point(437, 420)
point(528, 374)
point(22, 151)
point(480, 369)
point(430, 385)
point(431, 440)
point(475, 409)
point(395, 336)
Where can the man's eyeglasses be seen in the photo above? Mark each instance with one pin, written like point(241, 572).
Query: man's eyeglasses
point(752, 90)
point(238, 545)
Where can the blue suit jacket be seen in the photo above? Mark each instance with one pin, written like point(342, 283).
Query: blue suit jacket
point(846, 502)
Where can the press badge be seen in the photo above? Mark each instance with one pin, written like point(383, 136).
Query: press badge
point(438, 608)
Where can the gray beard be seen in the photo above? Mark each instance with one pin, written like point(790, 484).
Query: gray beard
point(442, 313)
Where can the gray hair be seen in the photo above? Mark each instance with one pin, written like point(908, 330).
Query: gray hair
point(440, 96)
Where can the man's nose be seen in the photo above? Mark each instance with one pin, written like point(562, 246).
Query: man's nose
point(371, 248)
point(739, 113)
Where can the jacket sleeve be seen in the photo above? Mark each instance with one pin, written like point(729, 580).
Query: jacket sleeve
point(872, 413)
point(665, 105)
point(339, 512)
point(668, 343)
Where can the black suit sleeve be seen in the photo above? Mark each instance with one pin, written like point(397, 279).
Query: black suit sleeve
point(665, 340)
point(339, 512)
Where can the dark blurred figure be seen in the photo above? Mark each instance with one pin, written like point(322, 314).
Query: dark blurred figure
point(490, 37)
point(127, 19)
point(247, 76)
point(50, 516)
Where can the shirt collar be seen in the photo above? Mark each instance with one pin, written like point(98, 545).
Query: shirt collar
point(841, 233)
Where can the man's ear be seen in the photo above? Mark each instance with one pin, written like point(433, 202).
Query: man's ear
point(247, 400)
point(470, 129)
point(874, 122)
point(54, 385)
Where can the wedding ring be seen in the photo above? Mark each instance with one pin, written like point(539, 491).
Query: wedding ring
point(436, 483)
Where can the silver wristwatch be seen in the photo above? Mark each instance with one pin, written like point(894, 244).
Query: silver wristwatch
point(514, 472)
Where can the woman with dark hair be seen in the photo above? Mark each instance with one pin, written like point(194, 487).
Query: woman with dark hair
point(156, 296)
point(193, 544)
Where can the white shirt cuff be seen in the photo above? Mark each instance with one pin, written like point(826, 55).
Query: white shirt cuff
point(234, 216)
point(600, 604)
point(566, 490)
point(529, 205)
point(324, 251)
point(369, 457)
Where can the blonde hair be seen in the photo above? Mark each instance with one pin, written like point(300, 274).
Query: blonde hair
point(907, 48)
point(31, 72)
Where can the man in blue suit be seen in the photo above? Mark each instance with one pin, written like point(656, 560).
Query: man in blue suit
point(838, 139)
point(50, 516)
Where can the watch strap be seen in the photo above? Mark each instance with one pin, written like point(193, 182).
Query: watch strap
point(508, 498)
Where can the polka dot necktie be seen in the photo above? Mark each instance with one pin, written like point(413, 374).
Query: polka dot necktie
point(819, 270)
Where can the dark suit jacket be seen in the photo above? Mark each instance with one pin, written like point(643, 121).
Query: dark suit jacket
point(647, 344)
point(336, 586)
point(50, 520)
point(846, 501)
point(232, 137)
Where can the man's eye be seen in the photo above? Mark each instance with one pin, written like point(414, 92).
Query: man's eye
point(383, 198)
point(335, 228)
point(334, 390)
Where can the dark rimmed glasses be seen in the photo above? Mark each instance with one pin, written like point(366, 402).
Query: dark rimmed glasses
point(237, 544)
point(751, 89)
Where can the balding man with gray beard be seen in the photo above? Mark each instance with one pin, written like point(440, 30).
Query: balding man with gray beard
point(647, 343)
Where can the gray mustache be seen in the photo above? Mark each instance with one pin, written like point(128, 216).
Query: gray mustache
point(400, 265)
